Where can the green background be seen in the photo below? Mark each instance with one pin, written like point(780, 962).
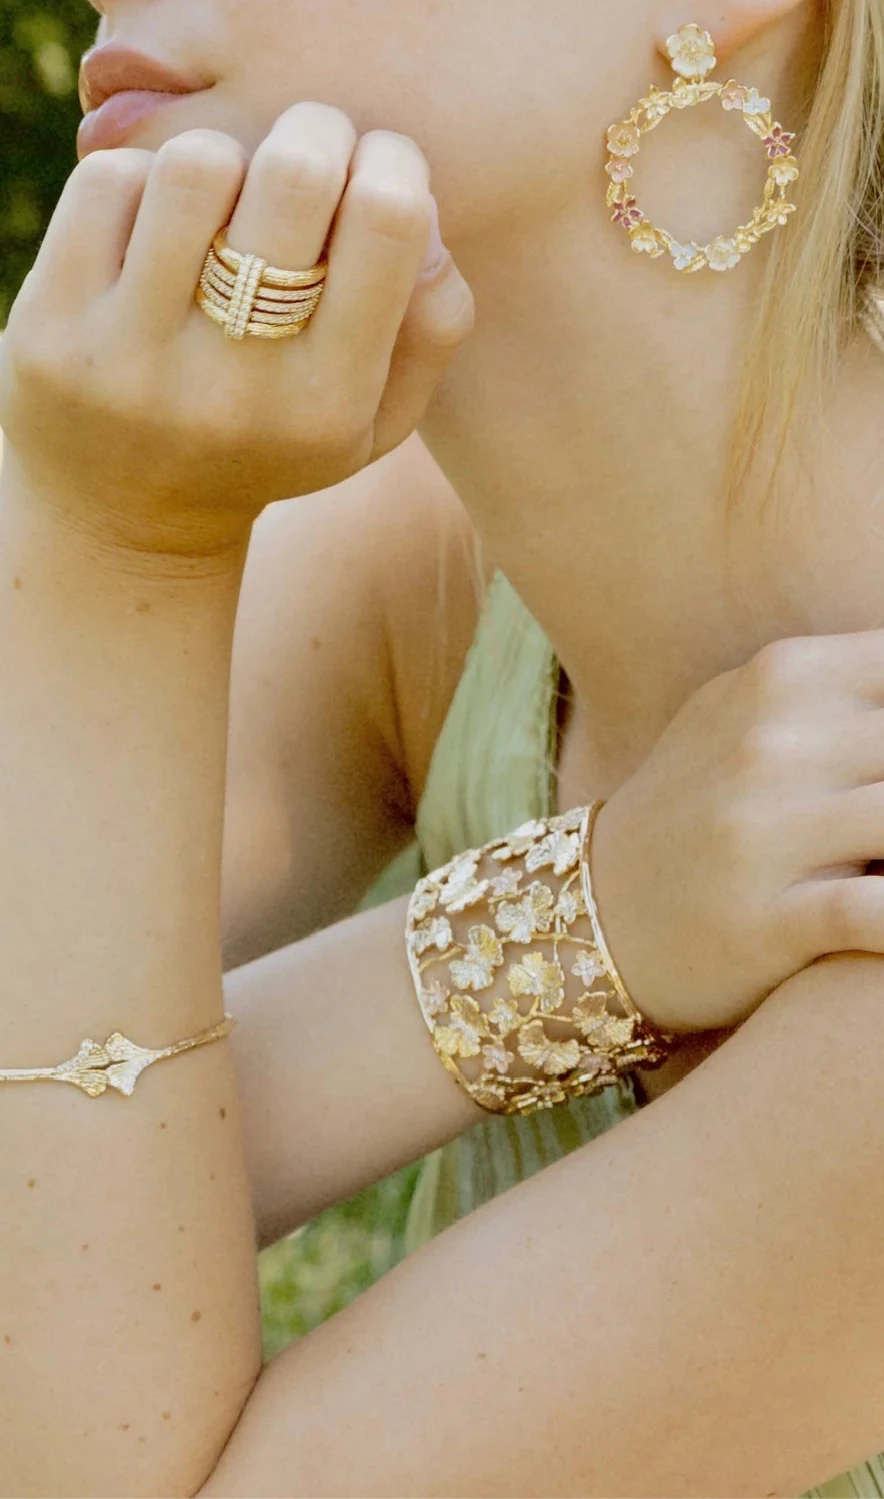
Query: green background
point(306, 1278)
point(40, 48)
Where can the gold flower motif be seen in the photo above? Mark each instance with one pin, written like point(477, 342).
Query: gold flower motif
point(685, 95)
point(722, 254)
point(542, 980)
point(497, 1058)
point(645, 240)
point(784, 171)
point(656, 106)
point(461, 888)
point(438, 934)
point(624, 139)
point(508, 883)
point(505, 1016)
point(569, 822)
point(555, 1058)
point(684, 256)
point(569, 906)
point(754, 103)
point(475, 970)
point(465, 1031)
point(436, 1000)
point(733, 95)
point(692, 52)
point(532, 916)
point(520, 842)
point(606, 1032)
point(619, 169)
point(424, 900)
point(588, 967)
point(558, 851)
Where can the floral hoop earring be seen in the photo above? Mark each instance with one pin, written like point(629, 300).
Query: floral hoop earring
point(692, 51)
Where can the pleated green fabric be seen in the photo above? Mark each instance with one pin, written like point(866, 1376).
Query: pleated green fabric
point(493, 769)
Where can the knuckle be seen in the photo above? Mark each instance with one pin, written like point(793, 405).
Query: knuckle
point(199, 160)
point(391, 209)
point(301, 168)
point(319, 118)
point(387, 143)
point(113, 172)
point(781, 667)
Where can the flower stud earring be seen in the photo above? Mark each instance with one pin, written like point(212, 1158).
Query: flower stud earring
point(692, 54)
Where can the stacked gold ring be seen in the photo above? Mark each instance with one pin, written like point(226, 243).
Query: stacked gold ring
point(249, 298)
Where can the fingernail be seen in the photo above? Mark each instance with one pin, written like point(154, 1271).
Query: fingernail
point(436, 254)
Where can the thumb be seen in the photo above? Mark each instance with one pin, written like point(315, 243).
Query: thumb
point(440, 318)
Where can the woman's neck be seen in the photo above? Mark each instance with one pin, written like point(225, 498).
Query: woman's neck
point(587, 429)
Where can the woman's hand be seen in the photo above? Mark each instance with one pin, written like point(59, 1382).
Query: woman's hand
point(737, 855)
point(129, 411)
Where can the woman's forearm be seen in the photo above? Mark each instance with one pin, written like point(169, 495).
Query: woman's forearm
point(129, 1318)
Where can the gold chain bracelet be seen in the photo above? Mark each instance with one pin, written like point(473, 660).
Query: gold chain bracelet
point(117, 1064)
point(522, 998)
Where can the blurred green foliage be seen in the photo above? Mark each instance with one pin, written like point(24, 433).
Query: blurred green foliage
point(41, 42)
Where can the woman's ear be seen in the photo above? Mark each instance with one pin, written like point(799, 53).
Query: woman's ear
point(732, 23)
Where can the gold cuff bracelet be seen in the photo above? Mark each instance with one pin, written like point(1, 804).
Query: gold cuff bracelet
point(523, 1001)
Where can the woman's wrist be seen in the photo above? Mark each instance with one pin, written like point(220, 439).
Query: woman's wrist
point(122, 546)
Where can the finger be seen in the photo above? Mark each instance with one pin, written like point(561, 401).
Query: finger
point(190, 194)
point(850, 665)
point(845, 915)
point(378, 243)
point(440, 318)
point(83, 251)
point(854, 748)
point(848, 828)
point(294, 186)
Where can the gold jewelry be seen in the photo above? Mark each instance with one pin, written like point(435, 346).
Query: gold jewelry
point(692, 52)
point(247, 297)
point(521, 996)
point(117, 1064)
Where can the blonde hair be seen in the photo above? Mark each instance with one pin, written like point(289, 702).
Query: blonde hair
point(822, 276)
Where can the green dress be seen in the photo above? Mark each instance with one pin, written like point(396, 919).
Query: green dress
point(493, 768)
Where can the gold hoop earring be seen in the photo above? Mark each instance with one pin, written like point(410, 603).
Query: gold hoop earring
point(692, 52)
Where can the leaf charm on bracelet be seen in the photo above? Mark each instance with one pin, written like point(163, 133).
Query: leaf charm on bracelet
point(117, 1064)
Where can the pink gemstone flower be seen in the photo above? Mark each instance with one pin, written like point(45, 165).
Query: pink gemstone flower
point(734, 96)
point(619, 169)
point(778, 143)
point(627, 214)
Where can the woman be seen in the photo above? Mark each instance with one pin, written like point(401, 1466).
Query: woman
point(686, 1305)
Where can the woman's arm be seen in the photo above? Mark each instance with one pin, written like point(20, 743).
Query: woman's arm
point(129, 1318)
point(129, 1307)
point(714, 867)
point(691, 1305)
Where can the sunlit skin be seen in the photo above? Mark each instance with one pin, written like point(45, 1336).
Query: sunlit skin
point(685, 1305)
point(620, 546)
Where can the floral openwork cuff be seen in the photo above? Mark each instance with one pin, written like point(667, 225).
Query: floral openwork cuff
point(523, 1001)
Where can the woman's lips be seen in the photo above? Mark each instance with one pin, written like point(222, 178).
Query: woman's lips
point(120, 88)
point(113, 122)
